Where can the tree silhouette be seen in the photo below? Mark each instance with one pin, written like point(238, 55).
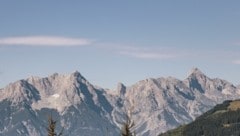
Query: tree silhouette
point(127, 127)
point(52, 126)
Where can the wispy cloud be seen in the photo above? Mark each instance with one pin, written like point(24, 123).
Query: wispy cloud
point(147, 53)
point(44, 41)
point(236, 62)
point(236, 43)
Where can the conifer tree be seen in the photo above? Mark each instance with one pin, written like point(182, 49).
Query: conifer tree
point(52, 126)
point(128, 125)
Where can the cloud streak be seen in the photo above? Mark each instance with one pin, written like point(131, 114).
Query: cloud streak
point(44, 41)
point(236, 62)
point(162, 52)
point(147, 53)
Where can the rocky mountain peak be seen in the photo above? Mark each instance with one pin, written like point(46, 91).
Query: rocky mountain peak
point(78, 77)
point(195, 72)
point(121, 88)
point(76, 74)
point(20, 91)
point(158, 104)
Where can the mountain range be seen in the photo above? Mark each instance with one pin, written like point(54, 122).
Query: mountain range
point(82, 109)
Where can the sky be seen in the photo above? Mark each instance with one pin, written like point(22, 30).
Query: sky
point(119, 41)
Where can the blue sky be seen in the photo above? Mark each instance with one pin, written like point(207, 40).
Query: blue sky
point(119, 41)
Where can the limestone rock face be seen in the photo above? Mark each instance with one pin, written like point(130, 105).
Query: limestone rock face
point(156, 105)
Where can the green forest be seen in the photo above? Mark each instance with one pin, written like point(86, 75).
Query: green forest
point(222, 120)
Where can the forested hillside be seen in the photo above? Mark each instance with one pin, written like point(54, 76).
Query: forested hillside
point(222, 120)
